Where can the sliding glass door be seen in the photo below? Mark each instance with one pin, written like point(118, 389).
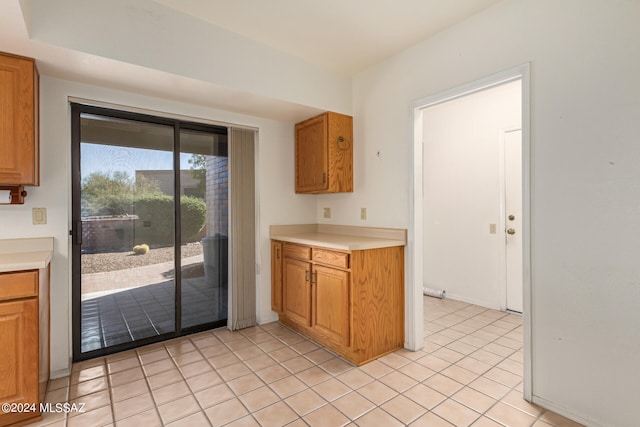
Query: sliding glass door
point(204, 162)
point(150, 221)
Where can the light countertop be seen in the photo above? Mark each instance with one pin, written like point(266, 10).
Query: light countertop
point(350, 238)
point(25, 254)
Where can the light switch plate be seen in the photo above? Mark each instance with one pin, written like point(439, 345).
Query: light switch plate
point(492, 228)
point(363, 213)
point(39, 216)
point(327, 213)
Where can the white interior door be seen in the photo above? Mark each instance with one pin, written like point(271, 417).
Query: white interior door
point(513, 218)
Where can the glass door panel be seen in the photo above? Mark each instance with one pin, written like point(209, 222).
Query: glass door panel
point(127, 231)
point(204, 227)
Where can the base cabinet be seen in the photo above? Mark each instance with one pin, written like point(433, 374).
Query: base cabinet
point(24, 350)
point(276, 274)
point(296, 291)
point(352, 302)
point(330, 307)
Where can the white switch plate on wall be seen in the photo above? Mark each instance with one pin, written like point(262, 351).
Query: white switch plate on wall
point(39, 216)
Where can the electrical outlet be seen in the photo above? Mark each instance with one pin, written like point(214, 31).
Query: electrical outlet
point(363, 213)
point(39, 216)
point(327, 213)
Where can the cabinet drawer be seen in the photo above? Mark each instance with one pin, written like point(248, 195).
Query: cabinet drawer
point(336, 259)
point(297, 251)
point(18, 285)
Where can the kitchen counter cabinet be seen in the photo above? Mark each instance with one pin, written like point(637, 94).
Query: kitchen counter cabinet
point(24, 342)
point(24, 325)
point(296, 291)
point(352, 302)
point(330, 309)
point(276, 274)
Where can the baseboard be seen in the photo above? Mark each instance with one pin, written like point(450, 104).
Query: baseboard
point(268, 319)
point(473, 301)
point(61, 373)
point(590, 422)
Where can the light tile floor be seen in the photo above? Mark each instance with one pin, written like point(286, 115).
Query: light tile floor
point(468, 374)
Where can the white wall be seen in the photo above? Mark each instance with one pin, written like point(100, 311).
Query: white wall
point(461, 151)
point(278, 203)
point(585, 104)
point(151, 35)
point(585, 192)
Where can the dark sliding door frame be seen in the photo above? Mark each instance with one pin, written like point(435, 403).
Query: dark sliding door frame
point(76, 230)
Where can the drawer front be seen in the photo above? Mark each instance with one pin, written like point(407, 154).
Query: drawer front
point(297, 251)
point(18, 285)
point(336, 259)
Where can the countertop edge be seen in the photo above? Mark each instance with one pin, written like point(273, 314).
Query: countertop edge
point(340, 237)
point(353, 231)
point(327, 243)
point(28, 244)
point(21, 261)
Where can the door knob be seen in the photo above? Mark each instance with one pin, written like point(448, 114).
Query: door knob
point(512, 217)
point(511, 231)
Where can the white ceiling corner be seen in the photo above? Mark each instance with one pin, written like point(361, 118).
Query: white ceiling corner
point(342, 37)
point(346, 36)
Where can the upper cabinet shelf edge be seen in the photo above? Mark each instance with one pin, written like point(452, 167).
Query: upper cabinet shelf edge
point(324, 154)
point(19, 121)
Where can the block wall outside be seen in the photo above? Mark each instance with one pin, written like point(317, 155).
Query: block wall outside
point(217, 195)
point(106, 234)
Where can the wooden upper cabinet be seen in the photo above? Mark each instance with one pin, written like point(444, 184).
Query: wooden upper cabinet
point(19, 150)
point(324, 154)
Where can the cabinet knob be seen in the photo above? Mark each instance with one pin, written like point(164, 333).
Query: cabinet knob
point(343, 143)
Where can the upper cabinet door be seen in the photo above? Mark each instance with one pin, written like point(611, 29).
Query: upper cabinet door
point(324, 154)
point(18, 121)
point(311, 155)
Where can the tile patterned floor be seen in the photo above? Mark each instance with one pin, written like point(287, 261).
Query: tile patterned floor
point(468, 374)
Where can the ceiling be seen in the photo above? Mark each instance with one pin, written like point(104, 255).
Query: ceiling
point(343, 37)
point(346, 36)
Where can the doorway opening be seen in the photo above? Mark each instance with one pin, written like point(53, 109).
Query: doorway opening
point(460, 224)
point(150, 216)
point(466, 189)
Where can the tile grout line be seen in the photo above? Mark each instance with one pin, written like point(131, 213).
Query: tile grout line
point(146, 380)
point(495, 328)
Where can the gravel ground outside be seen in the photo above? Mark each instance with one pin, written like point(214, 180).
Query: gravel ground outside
point(111, 261)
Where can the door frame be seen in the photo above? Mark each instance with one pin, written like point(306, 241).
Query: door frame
point(77, 107)
point(415, 246)
point(502, 163)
